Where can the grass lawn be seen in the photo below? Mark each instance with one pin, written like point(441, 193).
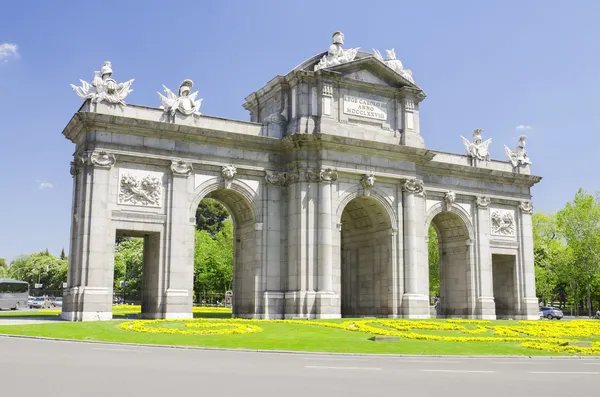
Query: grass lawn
point(308, 337)
point(274, 336)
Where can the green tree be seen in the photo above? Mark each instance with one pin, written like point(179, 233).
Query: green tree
point(210, 216)
point(62, 254)
point(3, 268)
point(434, 262)
point(129, 264)
point(43, 268)
point(579, 223)
point(547, 249)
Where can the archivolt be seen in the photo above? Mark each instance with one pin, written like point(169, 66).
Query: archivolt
point(455, 211)
point(375, 194)
point(240, 199)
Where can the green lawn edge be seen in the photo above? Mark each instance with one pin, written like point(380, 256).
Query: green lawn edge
point(273, 337)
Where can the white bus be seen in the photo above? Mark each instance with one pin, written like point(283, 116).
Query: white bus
point(13, 294)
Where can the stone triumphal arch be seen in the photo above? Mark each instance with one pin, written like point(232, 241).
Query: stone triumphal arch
point(330, 188)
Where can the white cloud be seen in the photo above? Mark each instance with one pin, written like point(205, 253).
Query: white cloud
point(7, 51)
point(523, 127)
point(45, 185)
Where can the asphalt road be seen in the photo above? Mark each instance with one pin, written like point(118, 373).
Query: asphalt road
point(65, 369)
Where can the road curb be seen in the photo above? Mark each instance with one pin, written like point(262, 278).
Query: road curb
point(294, 352)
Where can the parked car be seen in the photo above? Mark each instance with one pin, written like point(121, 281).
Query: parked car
point(40, 303)
point(58, 302)
point(551, 313)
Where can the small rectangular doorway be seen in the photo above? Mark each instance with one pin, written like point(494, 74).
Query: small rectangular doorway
point(138, 275)
point(503, 274)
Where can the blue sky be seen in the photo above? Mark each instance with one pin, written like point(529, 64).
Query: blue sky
point(492, 65)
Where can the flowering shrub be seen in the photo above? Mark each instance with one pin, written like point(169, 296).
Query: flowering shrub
point(191, 327)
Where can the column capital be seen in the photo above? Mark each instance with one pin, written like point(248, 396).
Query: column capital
point(321, 175)
point(482, 202)
point(413, 185)
point(526, 207)
point(181, 168)
point(101, 159)
point(276, 178)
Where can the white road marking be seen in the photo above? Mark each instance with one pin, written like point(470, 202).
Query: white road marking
point(564, 373)
point(349, 368)
point(456, 371)
point(518, 362)
point(406, 361)
point(120, 350)
point(334, 359)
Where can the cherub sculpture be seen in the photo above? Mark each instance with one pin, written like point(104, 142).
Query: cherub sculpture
point(477, 149)
point(518, 157)
point(336, 55)
point(184, 103)
point(393, 63)
point(104, 87)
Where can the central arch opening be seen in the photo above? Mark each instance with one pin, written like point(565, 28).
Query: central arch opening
point(233, 271)
point(449, 265)
point(366, 259)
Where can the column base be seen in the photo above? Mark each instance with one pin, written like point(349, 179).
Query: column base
point(485, 308)
point(177, 304)
point(415, 306)
point(328, 305)
point(530, 308)
point(274, 304)
point(87, 304)
point(300, 304)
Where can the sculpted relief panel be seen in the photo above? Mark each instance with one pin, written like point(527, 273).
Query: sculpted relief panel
point(502, 222)
point(141, 188)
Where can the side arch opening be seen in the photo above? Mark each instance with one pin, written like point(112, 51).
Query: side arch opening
point(366, 259)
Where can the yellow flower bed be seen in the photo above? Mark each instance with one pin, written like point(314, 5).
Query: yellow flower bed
point(551, 336)
point(191, 327)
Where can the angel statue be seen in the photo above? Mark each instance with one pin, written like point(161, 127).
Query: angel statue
point(393, 63)
point(336, 55)
point(104, 87)
point(185, 103)
point(477, 149)
point(518, 157)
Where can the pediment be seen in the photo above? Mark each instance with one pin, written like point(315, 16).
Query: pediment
point(365, 68)
point(371, 70)
point(366, 76)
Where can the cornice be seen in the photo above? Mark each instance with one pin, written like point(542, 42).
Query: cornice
point(88, 121)
point(478, 173)
point(373, 148)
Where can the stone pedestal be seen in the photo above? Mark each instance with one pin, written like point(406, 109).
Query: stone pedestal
point(274, 303)
point(485, 308)
point(87, 304)
point(328, 305)
point(415, 306)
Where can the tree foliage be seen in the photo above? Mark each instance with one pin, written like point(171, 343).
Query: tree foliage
point(213, 260)
point(43, 268)
point(567, 250)
point(211, 216)
point(129, 263)
point(434, 262)
point(3, 268)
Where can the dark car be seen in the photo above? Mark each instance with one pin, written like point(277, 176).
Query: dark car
point(551, 312)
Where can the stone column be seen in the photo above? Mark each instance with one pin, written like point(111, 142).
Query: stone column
point(179, 269)
point(273, 295)
point(89, 293)
point(530, 303)
point(415, 304)
point(484, 287)
point(328, 304)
